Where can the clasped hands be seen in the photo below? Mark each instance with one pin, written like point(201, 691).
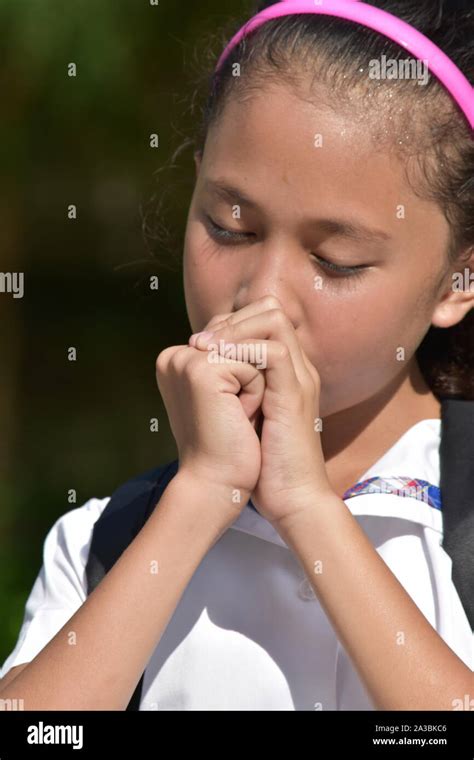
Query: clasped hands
point(293, 474)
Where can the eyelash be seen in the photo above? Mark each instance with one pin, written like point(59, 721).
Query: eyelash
point(227, 237)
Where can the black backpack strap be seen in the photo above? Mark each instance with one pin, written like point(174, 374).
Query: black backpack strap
point(125, 514)
point(457, 495)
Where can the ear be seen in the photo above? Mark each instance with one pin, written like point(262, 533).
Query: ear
point(458, 299)
point(197, 160)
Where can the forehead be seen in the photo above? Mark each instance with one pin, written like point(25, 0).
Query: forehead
point(298, 158)
point(294, 153)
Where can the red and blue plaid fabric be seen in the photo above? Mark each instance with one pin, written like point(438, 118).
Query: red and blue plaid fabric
point(400, 486)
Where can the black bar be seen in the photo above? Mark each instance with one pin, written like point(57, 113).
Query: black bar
point(146, 734)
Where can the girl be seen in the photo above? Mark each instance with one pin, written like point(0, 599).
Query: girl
point(281, 571)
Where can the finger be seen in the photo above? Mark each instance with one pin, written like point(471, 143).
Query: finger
point(242, 379)
point(271, 325)
point(262, 304)
point(165, 356)
point(312, 371)
point(251, 394)
point(273, 356)
point(217, 319)
point(248, 385)
point(250, 388)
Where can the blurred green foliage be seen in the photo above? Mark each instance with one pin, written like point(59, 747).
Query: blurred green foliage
point(84, 140)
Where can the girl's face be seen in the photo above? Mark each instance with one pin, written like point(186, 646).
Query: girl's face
point(317, 197)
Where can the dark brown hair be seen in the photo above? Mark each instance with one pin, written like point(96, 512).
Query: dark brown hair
point(437, 144)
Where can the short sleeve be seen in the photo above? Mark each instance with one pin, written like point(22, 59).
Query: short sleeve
point(414, 553)
point(60, 586)
point(408, 534)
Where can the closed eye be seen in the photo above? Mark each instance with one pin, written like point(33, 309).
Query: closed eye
point(355, 271)
point(221, 234)
point(233, 237)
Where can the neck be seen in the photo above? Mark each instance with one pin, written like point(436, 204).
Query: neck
point(355, 438)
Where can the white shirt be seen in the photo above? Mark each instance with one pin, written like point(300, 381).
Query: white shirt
point(248, 633)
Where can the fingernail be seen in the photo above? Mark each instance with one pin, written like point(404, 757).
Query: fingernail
point(203, 336)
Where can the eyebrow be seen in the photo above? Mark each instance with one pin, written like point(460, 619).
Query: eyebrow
point(342, 227)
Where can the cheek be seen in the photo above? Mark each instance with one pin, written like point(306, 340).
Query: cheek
point(208, 279)
point(360, 341)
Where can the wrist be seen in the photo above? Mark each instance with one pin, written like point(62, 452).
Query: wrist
point(217, 503)
point(190, 517)
point(303, 512)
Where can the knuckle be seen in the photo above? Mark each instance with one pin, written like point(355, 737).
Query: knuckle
point(170, 358)
point(279, 318)
point(197, 368)
point(227, 322)
point(281, 351)
point(271, 302)
point(178, 360)
point(163, 358)
point(216, 319)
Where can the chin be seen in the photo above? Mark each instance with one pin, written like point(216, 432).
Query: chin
point(328, 406)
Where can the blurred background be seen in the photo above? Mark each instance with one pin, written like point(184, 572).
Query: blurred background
point(85, 140)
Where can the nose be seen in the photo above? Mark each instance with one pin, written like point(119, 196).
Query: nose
point(272, 273)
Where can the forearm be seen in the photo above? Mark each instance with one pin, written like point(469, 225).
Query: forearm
point(121, 622)
point(403, 662)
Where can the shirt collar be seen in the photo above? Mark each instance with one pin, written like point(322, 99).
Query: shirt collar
point(414, 457)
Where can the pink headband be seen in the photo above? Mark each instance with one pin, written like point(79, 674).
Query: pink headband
point(380, 21)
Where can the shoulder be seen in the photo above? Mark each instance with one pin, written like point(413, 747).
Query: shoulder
point(398, 504)
point(73, 529)
point(61, 585)
point(125, 514)
point(80, 518)
point(140, 486)
point(59, 588)
point(65, 551)
point(404, 484)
